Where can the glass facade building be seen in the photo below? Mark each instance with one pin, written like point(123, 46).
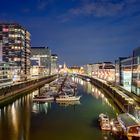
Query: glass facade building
point(136, 72)
point(54, 63)
point(40, 61)
point(118, 73)
point(127, 73)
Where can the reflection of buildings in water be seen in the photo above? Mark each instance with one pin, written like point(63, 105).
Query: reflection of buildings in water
point(81, 82)
point(75, 79)
point(41, 107)
point(96, 92)
point(88, 87)
point(16, 118)
point(98, 95)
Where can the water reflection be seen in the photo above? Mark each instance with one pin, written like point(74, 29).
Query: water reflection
point(41, 107)
point(25, 120)
point(95, 92)
point(131, 107)
point(15, 120)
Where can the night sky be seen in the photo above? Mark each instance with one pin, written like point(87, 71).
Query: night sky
point(79, 31)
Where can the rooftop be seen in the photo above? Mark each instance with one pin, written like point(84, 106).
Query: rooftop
point(128, 120)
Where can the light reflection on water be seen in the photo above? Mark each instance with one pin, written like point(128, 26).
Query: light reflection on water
point(40, 107)
point(15, 120)
point(24, 120)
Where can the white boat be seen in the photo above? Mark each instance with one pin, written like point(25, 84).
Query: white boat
point(103, 117)
point(43, 98)
point(68, 98)
point(104, 122)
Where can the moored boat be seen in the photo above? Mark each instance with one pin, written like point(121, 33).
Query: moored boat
point(43, 98)
point(68, 98)
point(104, 122)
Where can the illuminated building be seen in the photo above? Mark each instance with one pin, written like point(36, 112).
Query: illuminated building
point(118, 73)
point(6, 73)
point(88, 69)
point(104, 71)
point(128, 72)
point(54, 63)
point(76, 70)
point(40, 61)
point(136, 72)
point(15, 47)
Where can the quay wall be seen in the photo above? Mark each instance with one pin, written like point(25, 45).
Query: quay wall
point(14, 91)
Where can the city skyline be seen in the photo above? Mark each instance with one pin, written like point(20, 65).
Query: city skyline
point(79, 31)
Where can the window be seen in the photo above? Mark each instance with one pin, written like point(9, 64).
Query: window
point(5, 30)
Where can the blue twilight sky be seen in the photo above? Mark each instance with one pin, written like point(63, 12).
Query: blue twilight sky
point(79, 31)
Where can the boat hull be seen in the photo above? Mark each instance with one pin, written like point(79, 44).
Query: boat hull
point(69, 99)
point(43, 99)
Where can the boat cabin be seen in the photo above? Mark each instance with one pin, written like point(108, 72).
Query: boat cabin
point(130, 125)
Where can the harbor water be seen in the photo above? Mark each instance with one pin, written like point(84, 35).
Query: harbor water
point(27, 120)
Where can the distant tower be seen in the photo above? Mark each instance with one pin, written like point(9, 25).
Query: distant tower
point(64, 66)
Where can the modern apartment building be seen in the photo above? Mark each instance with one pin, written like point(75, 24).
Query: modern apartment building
point(15, 48)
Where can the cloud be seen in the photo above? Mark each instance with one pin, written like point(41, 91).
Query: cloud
point(102, 8)
point(97, 9)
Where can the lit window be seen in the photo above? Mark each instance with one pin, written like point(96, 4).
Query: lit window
point(5, 29)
